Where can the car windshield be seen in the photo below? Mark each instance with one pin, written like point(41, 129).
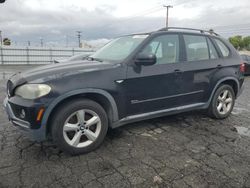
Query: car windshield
point(119, 49)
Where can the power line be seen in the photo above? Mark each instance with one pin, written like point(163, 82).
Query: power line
point(235, 32)
point(150, 10)
point(225, 26)
point(122, 20)
point(142, 14)
point(145, 12)
point(234, 29)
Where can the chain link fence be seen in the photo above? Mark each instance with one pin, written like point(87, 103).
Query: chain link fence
point(36, 56)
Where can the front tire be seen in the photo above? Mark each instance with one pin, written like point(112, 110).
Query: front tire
point(222, 102)
point(79, 126)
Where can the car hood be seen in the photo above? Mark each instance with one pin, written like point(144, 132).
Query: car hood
point(64, 69)
point(56, 71)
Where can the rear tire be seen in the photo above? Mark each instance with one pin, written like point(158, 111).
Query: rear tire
point(79, 126)
point(222, 102)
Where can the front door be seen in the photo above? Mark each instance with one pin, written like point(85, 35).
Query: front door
point(155, 87)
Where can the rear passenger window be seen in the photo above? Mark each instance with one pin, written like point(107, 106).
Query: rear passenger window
point(196, 48)
point(223, 48)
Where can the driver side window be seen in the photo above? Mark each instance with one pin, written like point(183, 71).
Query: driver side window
point(165, 48)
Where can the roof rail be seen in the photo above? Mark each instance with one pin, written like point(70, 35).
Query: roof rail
point(211, 32)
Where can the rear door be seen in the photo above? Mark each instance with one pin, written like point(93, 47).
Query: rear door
point(201, 63)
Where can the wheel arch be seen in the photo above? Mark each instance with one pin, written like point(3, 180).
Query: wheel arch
point(232, 81)
point(100, 96)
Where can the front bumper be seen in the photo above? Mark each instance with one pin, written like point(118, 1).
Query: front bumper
point(24, 126)
point(16, 121)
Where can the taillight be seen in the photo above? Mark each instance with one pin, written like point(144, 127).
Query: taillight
point(242, 67)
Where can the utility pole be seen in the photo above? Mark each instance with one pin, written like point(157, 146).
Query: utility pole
point(168, 7)
point(41, 41)
point(1, 38)
point(67, 41)
point(79, 34)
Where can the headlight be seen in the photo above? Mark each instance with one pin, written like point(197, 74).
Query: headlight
point(32, 91)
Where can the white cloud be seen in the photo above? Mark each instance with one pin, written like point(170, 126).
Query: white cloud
point(23, 20)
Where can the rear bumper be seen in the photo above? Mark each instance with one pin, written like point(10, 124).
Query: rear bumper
point(240, 91)
point(247, 69)
point(24, 126)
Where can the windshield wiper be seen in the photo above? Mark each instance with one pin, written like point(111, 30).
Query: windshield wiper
point(93, 59)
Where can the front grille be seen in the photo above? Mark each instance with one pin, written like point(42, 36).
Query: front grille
point(10, 88)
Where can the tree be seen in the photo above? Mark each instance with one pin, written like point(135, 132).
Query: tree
point(237, 42)
point(240, 43)
point(246, 41)
point(6, 42)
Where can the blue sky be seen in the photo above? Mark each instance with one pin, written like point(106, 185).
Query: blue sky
point(57, 20)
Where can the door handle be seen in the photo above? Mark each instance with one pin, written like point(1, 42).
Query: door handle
point(219, 66)
point(177, 71)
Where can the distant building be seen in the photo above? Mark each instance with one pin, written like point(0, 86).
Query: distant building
point(85, 45)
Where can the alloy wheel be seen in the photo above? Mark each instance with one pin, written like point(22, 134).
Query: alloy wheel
point(224, 102)
point(82, 128)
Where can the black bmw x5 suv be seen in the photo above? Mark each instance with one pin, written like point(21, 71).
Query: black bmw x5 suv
point(132, 78)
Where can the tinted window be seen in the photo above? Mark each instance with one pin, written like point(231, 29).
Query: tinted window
point(212, 51)
point(248, 58)
point(196, 48)
point(244, 57)
point(223, 48)
point(165, 47)
point(155, 47)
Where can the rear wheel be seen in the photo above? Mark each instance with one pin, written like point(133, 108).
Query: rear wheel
point(79, 126)
point(222, 103)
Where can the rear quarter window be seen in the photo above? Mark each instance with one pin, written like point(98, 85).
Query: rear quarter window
point(212, 51)
point(223, 48)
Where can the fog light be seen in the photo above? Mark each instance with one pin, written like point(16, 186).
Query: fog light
point(22, 114)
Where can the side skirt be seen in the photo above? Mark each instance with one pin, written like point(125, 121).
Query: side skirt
point(159, 113)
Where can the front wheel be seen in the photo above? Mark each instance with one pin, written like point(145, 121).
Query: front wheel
point(79, 126)
point(222, 102)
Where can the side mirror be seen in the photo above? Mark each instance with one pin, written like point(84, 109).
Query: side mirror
point(2, 1)
point(145, 59)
